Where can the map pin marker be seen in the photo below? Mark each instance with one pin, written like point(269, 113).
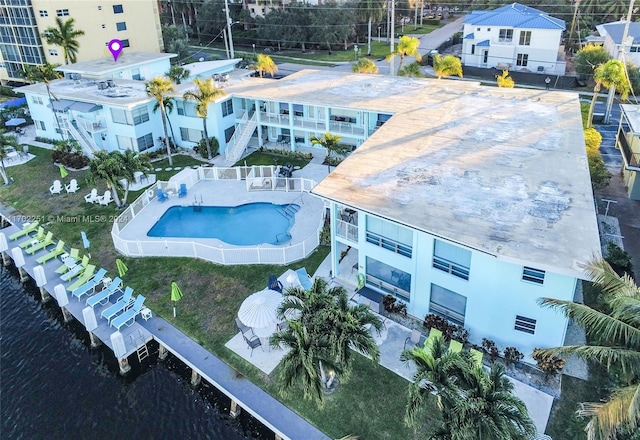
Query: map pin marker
point(115, 47)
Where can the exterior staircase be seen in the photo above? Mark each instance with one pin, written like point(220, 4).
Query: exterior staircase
point(240, 139)
point(88, 145)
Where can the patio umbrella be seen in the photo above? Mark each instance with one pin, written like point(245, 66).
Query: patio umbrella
point(63, 171)
point(14, 122)
point(259, 309)
point(122, 268)
point(176, 294)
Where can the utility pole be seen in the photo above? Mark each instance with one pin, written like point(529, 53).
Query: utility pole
point(621, 53)
point(229, 24)
point(573, 24)
point(392, 64)
point(415, 18)
point(388, 19)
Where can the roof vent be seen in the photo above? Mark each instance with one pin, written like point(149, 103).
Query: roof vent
point(102, 85)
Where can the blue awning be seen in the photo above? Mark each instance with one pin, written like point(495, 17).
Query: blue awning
point(470, 36)
point(484, 43)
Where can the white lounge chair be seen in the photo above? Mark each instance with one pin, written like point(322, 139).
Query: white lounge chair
point(72, 187)
point(56, 188)
point(106, 198)
point(92, 197)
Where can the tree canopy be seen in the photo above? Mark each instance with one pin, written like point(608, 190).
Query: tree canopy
point(64, 35)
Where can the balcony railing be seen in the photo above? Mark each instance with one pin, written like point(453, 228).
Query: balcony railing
point(389, 288)
point(631, 159)
point(347, 230)
point(451, 267)
point(391, 245)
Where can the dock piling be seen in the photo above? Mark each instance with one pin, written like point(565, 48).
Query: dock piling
point(60, 293)
point(18, 260)
point(91, 324)
point(162, 352)
point(235, 409)
point(195, 378)
point(119, 349)
point(41, 281)
point(4, 247)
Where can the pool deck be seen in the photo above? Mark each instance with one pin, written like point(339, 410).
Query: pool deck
point(228, 193)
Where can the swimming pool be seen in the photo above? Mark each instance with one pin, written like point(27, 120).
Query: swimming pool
point(244, 225)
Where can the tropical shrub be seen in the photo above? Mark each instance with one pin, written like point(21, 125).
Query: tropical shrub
point(619, 259)
point(392, 305)
point(68, 152)
point(599, 174)
point(512, 355)
point(490, 348)
point(449, 331)
point(592, 139)
point(202, 147)
point(550, 364)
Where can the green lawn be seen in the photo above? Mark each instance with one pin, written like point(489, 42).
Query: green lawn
point(268, 158)
point(370, 404)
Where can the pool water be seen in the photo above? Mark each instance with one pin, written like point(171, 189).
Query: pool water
point(244, 225)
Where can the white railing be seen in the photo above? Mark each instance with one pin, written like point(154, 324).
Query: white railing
point(265, 178)
point(87, 144)
point(224, 254)
point(347, 230)
point(238, 142)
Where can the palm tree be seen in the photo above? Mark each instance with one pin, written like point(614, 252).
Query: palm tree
point(169, 103)
point(109, 167)
point(447, 66)
point(610, 74)
point(331, 142)
point(177, 73)
point(370, 10)
point(6, 141)
point(65, 36)
point(616, 345)
point(407, 46)
point(45, 73)
point(505, 80)
point(205, 93)
point(264, 64)
point(473, 404)
point(325, 317)
point(364, 65)
point(411, 70)
point(132, 163)
point(159, 87)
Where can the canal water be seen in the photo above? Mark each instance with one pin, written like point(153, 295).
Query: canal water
point(54, 386)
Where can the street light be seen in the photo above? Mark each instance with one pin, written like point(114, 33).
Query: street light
point(378, 33)
point(355, 49)
point(254, 48)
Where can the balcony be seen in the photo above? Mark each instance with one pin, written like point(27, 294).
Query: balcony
point(347, 230)
point(390, 245)
point(631, 159)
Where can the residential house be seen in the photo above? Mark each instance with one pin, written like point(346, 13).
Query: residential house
point(628, 142)
point(514, 37)
point(612, 34)
point(23, 22)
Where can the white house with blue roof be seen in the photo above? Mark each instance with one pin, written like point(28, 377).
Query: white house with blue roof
point(611, 34)
point(514, 37)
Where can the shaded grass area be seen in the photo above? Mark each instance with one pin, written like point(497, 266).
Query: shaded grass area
point(370, 404)
point(267, 158)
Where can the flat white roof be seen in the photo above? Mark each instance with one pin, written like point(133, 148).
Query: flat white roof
point(632, 113)
point(106, 66)
point(502, 171)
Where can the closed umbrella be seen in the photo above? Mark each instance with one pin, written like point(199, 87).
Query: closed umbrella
point(85, 241)
point(176, 294)
point(63, 171)
point(259, 310)
point(14, 122)
point(122, 268)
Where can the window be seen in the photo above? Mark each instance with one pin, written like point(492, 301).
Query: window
point(448, 304)
point(99, 8)
point(140, 115)
point(478, 29)
point(124, 142)
point(533, 275)
point(525, 38)
point(145, 142)
point(62, 12)
point(485, 56)
point(40, 125)
point(473, 49)
point(122, 26)
point(186, 108)
point(505, 35)
point(452, 259)
point(526, 325)
point(228, 133)
point(118, 9)
point(522, 60)
point(135, 74)
point(125, 43)
point(634, 49)
point(53, 52)
point(36, 99)
point(227, 107)
point(191, 134)
point(43, 13)
point(388, 278)
point(389, 236)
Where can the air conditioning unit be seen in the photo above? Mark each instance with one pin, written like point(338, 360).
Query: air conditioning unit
point(102, 85)
point(110, 83)
point(76, 76)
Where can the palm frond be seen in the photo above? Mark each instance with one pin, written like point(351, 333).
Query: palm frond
point(616, 413)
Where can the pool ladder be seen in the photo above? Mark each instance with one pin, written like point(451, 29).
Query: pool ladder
point(197, 205)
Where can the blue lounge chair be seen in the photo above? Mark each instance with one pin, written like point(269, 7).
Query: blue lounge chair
point(274, 284)
point(33, 238)
point(120, 306)
point(182, 192)
point(162, 197)
point(89, 286)
point(42, 244)
point(85, 276)
point(304, 278)
point(103, 296)
point(55, 253)
point(27, 229)
point(129, 316)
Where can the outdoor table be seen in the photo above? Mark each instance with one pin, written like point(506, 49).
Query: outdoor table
point(264, 333)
